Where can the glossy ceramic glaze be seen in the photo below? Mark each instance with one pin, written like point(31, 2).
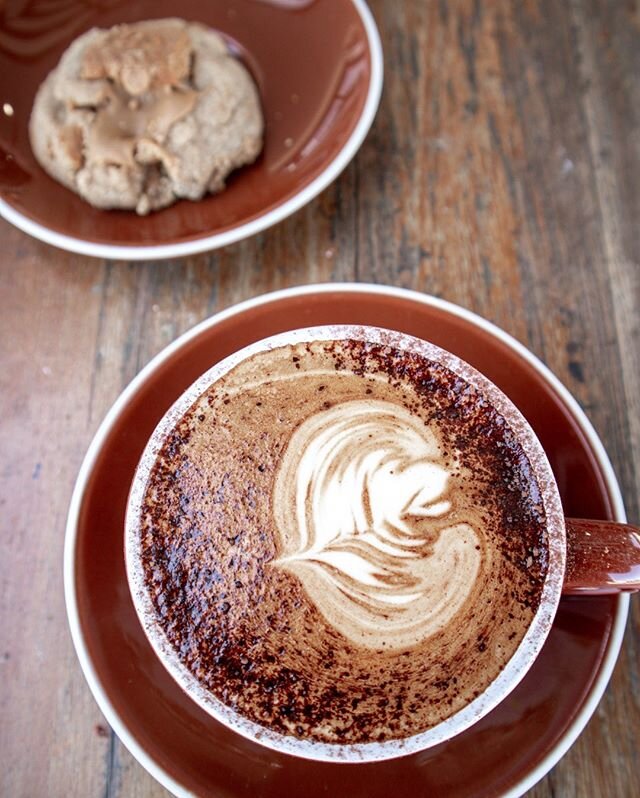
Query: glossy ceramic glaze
point(318, 69)
point(601, 557)
point(190, 752)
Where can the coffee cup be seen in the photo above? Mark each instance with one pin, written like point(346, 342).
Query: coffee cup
point(347, 544)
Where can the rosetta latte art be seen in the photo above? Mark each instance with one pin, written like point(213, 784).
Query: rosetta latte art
point(361, 502)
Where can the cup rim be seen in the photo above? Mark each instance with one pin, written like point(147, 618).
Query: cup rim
point(516, 667)
point(206, 243)
point(595, 445)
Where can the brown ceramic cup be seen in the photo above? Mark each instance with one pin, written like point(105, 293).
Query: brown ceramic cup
point(584, 557)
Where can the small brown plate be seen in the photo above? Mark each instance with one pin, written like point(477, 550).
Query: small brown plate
point(188, 751)
point(318, 67)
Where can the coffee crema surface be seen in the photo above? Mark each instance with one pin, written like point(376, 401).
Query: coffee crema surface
point(343, 541)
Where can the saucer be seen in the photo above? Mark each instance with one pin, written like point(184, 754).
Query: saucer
point(189, 752)
point(318, 67)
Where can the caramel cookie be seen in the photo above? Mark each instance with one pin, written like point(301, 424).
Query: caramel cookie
point(141, 115)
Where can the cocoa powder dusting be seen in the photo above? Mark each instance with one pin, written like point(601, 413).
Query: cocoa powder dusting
point(247, 631)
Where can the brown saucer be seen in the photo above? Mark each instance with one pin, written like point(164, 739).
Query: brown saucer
point(184, 747)
point(317, 64)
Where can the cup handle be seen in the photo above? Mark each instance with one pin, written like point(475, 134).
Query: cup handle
point(602, 557)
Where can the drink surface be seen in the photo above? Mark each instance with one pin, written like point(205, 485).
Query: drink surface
point(343, 541)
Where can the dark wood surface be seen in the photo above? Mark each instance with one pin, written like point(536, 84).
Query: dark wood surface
point(502, 173)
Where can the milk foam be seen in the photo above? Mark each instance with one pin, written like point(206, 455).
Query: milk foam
point(361, 501)
point(299, 577)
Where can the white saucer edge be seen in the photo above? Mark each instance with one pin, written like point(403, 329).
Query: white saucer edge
point(617, 632)
point(248, 229)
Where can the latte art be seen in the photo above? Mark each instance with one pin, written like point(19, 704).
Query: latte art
point(361, 504)
point(341, 542)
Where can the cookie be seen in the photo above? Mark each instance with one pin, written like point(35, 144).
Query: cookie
point(141, 115)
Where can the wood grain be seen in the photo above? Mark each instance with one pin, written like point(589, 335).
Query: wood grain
point(503, 173)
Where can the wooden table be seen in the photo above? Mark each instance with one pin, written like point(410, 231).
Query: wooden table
point(502, 173)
